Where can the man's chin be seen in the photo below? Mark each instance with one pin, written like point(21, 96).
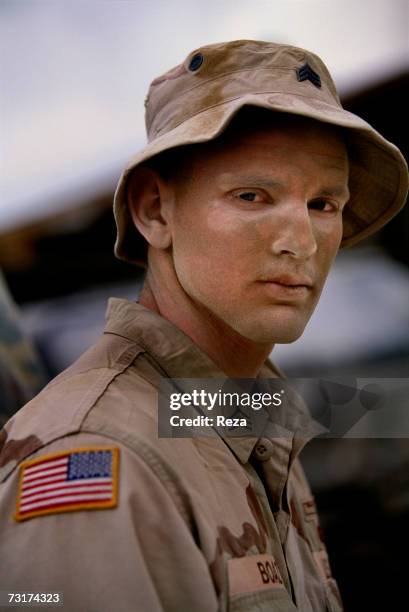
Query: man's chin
point(273, 333)
point(283, 327)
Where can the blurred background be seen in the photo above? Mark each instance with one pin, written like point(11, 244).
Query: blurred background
point(73, 79)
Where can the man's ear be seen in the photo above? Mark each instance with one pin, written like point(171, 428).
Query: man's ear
point(148, 197)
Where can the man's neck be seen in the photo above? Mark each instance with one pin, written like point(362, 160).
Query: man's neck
point(236, 356)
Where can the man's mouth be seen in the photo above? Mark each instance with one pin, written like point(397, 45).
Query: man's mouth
point(290, 281)
point(287, 287)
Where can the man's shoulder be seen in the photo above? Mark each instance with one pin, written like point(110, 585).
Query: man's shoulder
point(109, 385)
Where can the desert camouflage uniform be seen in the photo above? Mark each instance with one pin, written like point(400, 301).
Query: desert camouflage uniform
point(199, 524)
point(21, 372)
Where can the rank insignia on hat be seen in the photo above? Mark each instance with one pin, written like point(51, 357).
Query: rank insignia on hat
point(78, 479)
point(307, 73)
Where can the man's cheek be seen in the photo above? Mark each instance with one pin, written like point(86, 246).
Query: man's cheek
point(328, 247)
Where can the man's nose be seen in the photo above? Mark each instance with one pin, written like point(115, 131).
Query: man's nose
point(294, 234)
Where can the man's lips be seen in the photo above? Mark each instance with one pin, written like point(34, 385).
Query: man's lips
point(287, 288)
point(289, 280)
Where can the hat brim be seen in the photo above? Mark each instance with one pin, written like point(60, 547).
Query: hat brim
point(378, 181)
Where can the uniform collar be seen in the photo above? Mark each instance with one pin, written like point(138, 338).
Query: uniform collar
point(176, 356)
point(174, 352)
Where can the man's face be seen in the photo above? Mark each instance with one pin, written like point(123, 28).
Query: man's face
point(257, 224)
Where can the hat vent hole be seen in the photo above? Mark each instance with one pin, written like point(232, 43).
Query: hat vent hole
point(196, 62)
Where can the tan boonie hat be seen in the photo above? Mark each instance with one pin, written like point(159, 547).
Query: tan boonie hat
point(195, 101)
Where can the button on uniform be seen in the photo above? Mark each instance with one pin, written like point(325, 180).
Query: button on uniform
point(263, 450)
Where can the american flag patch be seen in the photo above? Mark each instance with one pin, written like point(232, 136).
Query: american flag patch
point(78, 479)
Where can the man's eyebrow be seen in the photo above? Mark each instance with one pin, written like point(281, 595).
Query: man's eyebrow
point(336, 190)
point(256, 181)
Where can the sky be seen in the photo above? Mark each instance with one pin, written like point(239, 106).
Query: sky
point(73, 76)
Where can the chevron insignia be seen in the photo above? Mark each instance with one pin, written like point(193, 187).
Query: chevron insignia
point(306, 73)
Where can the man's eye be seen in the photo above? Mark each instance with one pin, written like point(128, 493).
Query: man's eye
point(321, 205)
point(249, 196)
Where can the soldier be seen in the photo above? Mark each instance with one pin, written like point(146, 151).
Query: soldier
point(253, 177)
